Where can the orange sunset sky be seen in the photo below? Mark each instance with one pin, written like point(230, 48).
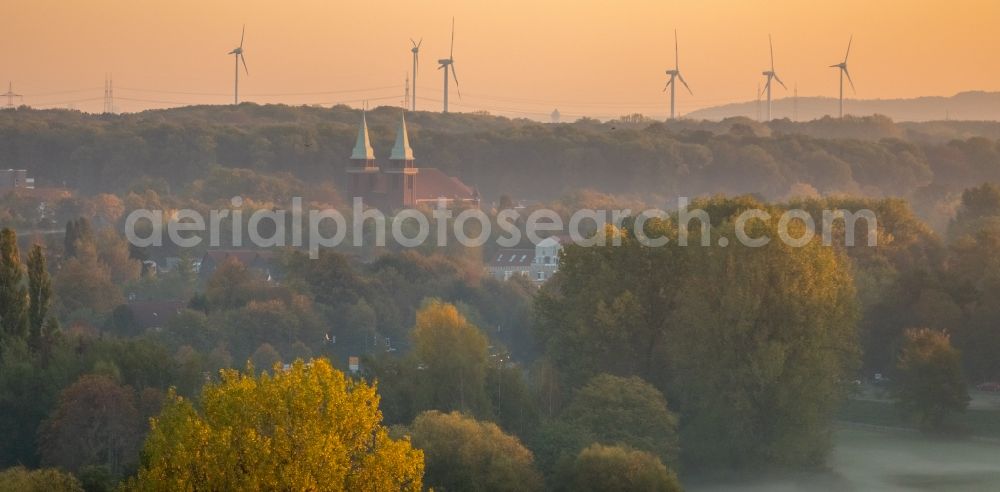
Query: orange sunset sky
point(513, 57)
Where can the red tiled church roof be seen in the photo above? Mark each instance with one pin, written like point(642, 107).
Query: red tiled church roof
point(432, 184)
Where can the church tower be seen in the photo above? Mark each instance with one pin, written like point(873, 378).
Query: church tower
point(401, 173)
point(363, 170)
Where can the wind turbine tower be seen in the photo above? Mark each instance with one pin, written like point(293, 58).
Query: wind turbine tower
point(795, 103)
point(675, 74)
point(238, 57)
point(843, 71)
point(449, 64)
point(416, 63)
point(758, 93)
point(771, 74)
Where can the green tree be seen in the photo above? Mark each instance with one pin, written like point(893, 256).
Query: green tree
point(97, 478)
point(30, 383)
point(69, 239)
point(601, 468)
point(84, 284)
point(232, 285)
point(753, 343)
point(765, 345)
point(462, 453)
point(610, 309)
point(21, 479)
point(95, 423)
point(929, 385)
point(979, 205)
point(307, 428)
point(453, 357)
point(630, 411)
point(186, 274)
point(77, 230)
point(13, 295)
point(330, 278)
point(265, 356)
point(39, 295)
point(113, 252)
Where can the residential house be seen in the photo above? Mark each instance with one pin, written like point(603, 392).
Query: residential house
point(508, 262)
point(538, 264)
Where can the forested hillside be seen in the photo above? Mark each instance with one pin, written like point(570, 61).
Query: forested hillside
point(172, 148)
point(970, 105)
point(640, 364)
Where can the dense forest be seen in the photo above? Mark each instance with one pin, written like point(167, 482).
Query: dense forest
point(634, 366)
point(167, 150)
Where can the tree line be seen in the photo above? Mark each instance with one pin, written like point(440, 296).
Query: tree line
point(869, 156)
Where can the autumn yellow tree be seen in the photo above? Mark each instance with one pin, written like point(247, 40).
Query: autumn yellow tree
point(619, 467)
point(467, 454)
point(453, 356)
point(305, 428)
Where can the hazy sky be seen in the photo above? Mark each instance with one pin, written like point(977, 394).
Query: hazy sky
point(514, 57)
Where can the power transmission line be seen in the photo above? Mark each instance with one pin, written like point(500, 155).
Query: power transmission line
point(10, 95)
point(109, 95)
point(281, 94)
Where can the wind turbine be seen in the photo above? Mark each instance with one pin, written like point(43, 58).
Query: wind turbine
point(238, 56)
point(449, 63)
point(770, 74)
point(416, 62)
point(675, 74)
point(843, 71)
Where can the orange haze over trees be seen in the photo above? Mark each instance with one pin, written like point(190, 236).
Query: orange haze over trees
point(519, 58)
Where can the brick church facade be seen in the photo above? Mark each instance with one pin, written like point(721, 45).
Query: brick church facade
point(400, 184)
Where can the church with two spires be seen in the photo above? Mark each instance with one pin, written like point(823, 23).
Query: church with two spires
point(400, 184)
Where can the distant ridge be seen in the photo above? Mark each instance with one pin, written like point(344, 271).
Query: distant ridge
point(967, 106)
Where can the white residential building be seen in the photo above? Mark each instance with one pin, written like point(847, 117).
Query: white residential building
point(539, 264)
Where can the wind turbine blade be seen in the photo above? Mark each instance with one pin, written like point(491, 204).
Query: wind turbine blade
point(454, 75)
point(244, 60)
point(766, 85)
point(849, 41)
point(848, 74)
point(780, 82)
point(685, 83)
point(677, 63)
point(242, 34)
point(414, 43)
point(419, 43)
point(451, 54)
point(771, 45)
point(668, 84)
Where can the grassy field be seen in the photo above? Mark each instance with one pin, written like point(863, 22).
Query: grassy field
point(982, 419)
point(873, 460)
point(876, 449)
